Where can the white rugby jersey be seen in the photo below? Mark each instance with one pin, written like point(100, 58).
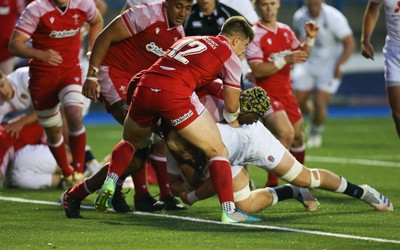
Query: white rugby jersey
point(333, 27)
point(21, 100)
point(392, 18)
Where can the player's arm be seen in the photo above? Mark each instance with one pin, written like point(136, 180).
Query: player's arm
point(95, 28)
point(18, 46)
point(311, 29)
point(102, 6)
point(348, 48)
point(15, 127)
point(231, 108)
point(268, 68)
point(113, 33)
point(370, 19)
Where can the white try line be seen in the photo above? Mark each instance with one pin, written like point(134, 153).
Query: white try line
point(352, 161)
point(185, 218)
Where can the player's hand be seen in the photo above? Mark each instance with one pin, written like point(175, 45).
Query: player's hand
point(367, 50)
point(184, 199)
point(91, 89)
point(234, 124)
point(338, 72)
point(311, 29)
point(51, 57)
point(13, 129)
point(297, 56)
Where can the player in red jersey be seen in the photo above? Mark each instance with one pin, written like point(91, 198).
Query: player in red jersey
point(53, 27)
point(9, 13)
point(270, 55)
point(165, 92)
point(130, 43)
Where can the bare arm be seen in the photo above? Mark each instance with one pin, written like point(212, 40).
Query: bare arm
point(18, 47)
point(95, 28)
point(348, 49)
point(231, 99)
point(102, 6)
point(311, 29)
point(114, 32)
point(15, 127)
point(371, 16)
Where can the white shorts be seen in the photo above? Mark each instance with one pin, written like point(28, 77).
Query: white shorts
point(304, 79)
point(33, 167)
point(391, 54)
point(252, 145)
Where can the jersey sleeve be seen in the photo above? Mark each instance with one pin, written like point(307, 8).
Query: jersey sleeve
point(341, 27)
point(89, 7)
point(138, 18)
point(231, 72)
point(28, 21)
point(254, 52)
point(297, 21)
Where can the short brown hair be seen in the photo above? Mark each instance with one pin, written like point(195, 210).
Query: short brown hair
point(237, 26)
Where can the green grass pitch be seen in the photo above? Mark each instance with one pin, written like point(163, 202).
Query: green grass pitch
point(362, 150)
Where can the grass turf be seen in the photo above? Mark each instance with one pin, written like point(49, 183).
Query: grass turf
point(41, 226)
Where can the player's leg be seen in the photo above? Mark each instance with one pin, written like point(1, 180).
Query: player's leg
point(322, 99)
point(158, 160)
point(279, 124)
point(203, 133)
point(51, 122)
point(297, 174)
point(392, 81)
point(393, 94)
point(133, 136)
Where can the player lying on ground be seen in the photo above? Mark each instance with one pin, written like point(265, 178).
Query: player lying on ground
point(253, 144)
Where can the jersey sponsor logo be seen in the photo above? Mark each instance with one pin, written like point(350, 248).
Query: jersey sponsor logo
point(210, 42)
point(64, 33)
point(182, 118)
point(152, 47)
point(5, 10)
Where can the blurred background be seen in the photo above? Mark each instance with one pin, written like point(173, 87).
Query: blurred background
point(362, 92)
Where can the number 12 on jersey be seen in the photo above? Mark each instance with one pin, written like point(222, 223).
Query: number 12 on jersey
point(196, 47)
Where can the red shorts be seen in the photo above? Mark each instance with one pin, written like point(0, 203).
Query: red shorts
point(149, 105)
point(45, 86)
point(287, 103)
point(113, 84)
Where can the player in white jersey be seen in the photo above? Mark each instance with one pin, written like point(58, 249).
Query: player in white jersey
point(34, 167)
point(320, 76)
point(391, 51)
point(19, 124)
point(254, 144)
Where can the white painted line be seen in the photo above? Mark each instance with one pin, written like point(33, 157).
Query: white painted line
point(286, 229)
point(352, 161)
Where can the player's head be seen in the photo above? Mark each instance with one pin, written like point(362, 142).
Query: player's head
point(267, 9)
point(314, 7)
point(177, 11)
point(238, 32)
point(6, 91)
point(254, 102)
